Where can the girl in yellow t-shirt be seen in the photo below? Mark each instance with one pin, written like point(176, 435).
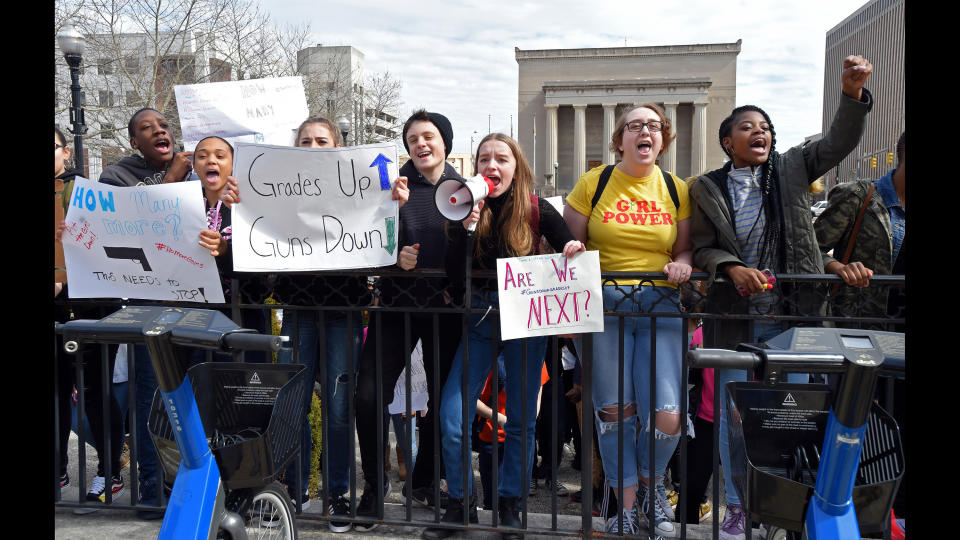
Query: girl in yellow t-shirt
point(637, 227)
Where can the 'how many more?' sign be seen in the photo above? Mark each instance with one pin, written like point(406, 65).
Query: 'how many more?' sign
point(314, 208)
point(138, 242)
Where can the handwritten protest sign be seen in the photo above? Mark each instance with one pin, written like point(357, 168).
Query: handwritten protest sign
point(544, 295)
point(254, 110)
point(314, 208)
point(418, 385)
point(138, 242)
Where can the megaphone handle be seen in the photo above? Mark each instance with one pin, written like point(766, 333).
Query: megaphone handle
point(473, 226)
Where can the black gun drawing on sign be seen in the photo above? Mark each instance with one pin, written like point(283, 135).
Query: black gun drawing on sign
point(134, 254)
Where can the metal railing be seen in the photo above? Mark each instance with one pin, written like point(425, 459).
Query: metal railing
point(411, 299)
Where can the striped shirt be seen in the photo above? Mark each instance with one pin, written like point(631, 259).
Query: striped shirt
point(748, 221)
point(748, 215)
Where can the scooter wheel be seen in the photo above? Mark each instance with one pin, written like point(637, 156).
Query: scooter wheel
point(271, 515)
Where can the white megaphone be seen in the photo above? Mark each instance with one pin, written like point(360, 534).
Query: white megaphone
point(455, 199)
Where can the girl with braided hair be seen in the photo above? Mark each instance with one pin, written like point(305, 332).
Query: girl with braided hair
point(753, 214)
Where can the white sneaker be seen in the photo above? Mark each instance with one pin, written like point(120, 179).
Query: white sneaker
point(661, 524)
point(664, 502)
point(627, 520)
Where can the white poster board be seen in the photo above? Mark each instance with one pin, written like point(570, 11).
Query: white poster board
point(254, 110)
point(139, 242)
point(418, 385)
point(314, 208)
point(545, 295)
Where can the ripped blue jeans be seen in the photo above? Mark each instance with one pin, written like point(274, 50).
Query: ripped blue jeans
point(636, 378)
point(338, 344)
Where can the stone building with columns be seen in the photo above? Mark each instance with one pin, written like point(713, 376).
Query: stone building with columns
point(569, 99)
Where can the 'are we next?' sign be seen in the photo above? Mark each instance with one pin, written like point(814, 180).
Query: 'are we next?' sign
point(305, 209)
point(544, 295)
point(138, 242)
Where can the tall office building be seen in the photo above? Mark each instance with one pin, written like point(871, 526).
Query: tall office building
point(876, 32)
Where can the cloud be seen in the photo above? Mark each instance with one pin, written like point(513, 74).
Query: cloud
point(458, 58)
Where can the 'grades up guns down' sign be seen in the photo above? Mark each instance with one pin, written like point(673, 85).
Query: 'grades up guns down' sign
point(314, 208)
point(545, 295)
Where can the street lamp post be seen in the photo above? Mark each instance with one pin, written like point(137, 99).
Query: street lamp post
point(556, 176)
point(72, 43)
point(344, 124)
point(472, 160)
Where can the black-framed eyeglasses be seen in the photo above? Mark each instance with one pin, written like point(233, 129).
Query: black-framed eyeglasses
point(57, 146)
point(637, 126)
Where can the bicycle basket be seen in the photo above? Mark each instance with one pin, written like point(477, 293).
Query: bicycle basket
point(252, 416)
point(768, 426)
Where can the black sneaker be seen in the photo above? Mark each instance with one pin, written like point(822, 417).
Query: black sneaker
point(339, 506)
point(98, 490)
point(453, 515)
point(424, 496)
point(368, 506)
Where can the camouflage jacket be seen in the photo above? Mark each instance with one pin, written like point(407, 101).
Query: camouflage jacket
point(873, 246)
point(715, 242)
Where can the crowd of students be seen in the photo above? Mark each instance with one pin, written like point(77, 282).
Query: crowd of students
point(749, 215)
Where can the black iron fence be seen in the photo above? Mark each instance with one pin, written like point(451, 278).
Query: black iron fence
point(415, 301)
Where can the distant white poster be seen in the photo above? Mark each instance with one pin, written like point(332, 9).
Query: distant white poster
point(544, 295)
point(418, 385)
point(557, 203)
point(139, 242)
point(254, 110)
point(314, 208)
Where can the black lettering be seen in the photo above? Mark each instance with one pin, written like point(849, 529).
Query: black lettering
point(328, 235)
point(250, 238)
point(379, 235)
point(340, 180)
point(250, 180)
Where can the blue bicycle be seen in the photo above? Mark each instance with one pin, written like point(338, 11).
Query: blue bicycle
point(807, 460)
point(224, 431)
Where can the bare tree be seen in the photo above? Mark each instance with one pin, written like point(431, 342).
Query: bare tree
point(138, 50)
point(376, 120)
point(335, 88)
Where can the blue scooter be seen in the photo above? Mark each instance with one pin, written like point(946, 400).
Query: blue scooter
point(220, 428)
point(801, 462)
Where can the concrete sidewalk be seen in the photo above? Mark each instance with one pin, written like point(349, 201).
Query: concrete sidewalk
point(110, 523)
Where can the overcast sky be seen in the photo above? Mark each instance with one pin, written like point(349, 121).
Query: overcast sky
point(457, 57)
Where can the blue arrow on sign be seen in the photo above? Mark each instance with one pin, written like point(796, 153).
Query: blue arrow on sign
point(381, 164)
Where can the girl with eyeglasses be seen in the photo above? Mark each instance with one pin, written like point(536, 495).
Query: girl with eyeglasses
point(639, 223)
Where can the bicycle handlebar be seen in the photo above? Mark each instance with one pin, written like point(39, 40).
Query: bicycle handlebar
point(722, 359)
point(244, 341)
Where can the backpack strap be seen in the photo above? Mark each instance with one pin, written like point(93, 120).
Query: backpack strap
point(669, 178)
point(601, 184)
point(853, 235)
point(671, 181)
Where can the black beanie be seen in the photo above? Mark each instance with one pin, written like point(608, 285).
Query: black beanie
point(443, 126)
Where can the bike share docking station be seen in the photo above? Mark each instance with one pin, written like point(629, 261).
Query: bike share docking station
point(805, 457)
point(224, 431)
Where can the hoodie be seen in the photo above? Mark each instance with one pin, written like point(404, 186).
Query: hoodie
point(132, 171)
